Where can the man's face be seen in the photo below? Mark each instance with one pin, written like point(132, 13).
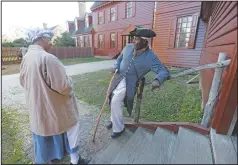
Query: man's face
point(140, 43)
point(47, 43)
point(137, 40)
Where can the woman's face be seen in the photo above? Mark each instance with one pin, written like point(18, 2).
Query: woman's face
point(47, 43)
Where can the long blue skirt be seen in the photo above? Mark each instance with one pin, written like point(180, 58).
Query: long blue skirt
point(47, 148)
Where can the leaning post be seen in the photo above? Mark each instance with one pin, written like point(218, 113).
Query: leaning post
point(214, 92)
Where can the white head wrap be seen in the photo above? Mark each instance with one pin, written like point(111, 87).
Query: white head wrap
point(34, 34)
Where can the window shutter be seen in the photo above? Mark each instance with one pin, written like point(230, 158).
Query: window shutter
point(109, 15)
point(104, 13)
point(116, 40)
point(133, 9)
point(96, 18)
point(172, 30)
point(192, 38)
point(96, 41)
point(103, 41)
point(124, 9)
point(116, 7)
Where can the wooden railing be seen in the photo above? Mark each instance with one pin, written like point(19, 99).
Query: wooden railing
point(213, 95)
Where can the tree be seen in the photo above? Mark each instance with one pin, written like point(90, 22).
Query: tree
point(20, 42)
point(65, 40)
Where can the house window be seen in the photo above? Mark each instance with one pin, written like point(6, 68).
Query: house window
point(113, 14)
point(128, 9)
point(100, 18)
point(112, 40)
point(101, 41)
point(183, 31)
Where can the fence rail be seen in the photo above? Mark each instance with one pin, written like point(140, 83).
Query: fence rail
point(12, 55)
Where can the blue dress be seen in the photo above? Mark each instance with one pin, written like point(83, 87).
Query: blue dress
point(47, 148)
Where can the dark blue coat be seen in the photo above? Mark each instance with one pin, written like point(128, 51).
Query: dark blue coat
point(135, 69)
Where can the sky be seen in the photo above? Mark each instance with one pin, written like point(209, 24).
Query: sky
point(20, 15)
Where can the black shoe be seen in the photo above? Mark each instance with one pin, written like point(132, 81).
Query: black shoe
point(83, 161)
point(109, 125)
point(116, 134)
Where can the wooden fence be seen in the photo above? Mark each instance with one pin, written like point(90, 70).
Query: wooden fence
point(11, 55)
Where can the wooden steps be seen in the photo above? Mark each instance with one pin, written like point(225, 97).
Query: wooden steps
point(223, 149)
point(191, 148)
point(160, 149)
point(108, 153)
point(166, 147)
point(134, 148)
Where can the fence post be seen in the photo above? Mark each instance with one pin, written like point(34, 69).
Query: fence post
point(214, 92)
point(139, 99)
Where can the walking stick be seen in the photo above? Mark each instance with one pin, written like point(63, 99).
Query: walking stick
point(100, 114)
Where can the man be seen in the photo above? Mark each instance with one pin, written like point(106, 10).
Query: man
point(135, 61)
point(49, 95)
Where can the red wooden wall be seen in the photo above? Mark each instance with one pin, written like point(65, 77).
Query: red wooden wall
point(142, 16)
point(221, 37)
point(166, 11)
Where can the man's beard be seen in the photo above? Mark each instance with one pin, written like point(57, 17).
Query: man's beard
point(142, 44)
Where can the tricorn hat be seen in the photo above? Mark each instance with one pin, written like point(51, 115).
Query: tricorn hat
point(142, 32)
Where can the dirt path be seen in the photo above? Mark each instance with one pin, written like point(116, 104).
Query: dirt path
point(13, 96)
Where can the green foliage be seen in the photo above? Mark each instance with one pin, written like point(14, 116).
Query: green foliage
point(20, 42)
point(65, 40)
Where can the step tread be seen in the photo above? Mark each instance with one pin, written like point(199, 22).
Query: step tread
point(192, 148)
point(160, 149)
point(223, 149)
point(134, 148)
point(234, 140)
point(109, 152)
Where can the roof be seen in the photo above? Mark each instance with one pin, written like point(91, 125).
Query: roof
point(82, 29)
point(90, 14)
point(52, 28)
point(97, 4)
point(80, 18)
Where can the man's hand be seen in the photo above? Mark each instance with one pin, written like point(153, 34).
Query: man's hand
point(155, 84)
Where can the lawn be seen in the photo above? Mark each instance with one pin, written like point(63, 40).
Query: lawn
point(15, 68)
point(12, 137)
point(174, 101)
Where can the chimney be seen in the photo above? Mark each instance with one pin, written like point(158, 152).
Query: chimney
point(82, 9)
point(45, 26)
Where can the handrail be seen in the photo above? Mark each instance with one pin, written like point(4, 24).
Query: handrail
point(208, 111)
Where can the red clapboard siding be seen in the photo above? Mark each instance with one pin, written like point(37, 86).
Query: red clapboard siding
point(172, 56)
point(221, 37)
point(142, 16)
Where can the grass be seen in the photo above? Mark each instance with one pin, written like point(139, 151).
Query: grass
point(73, 61)
point(12, 141)
point(173, 101)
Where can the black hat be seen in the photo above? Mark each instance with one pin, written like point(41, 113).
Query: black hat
point(141, 32)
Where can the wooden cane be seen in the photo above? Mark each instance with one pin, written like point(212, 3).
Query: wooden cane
point(100, 114)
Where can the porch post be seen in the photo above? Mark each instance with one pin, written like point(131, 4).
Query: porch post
point(214, 93)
